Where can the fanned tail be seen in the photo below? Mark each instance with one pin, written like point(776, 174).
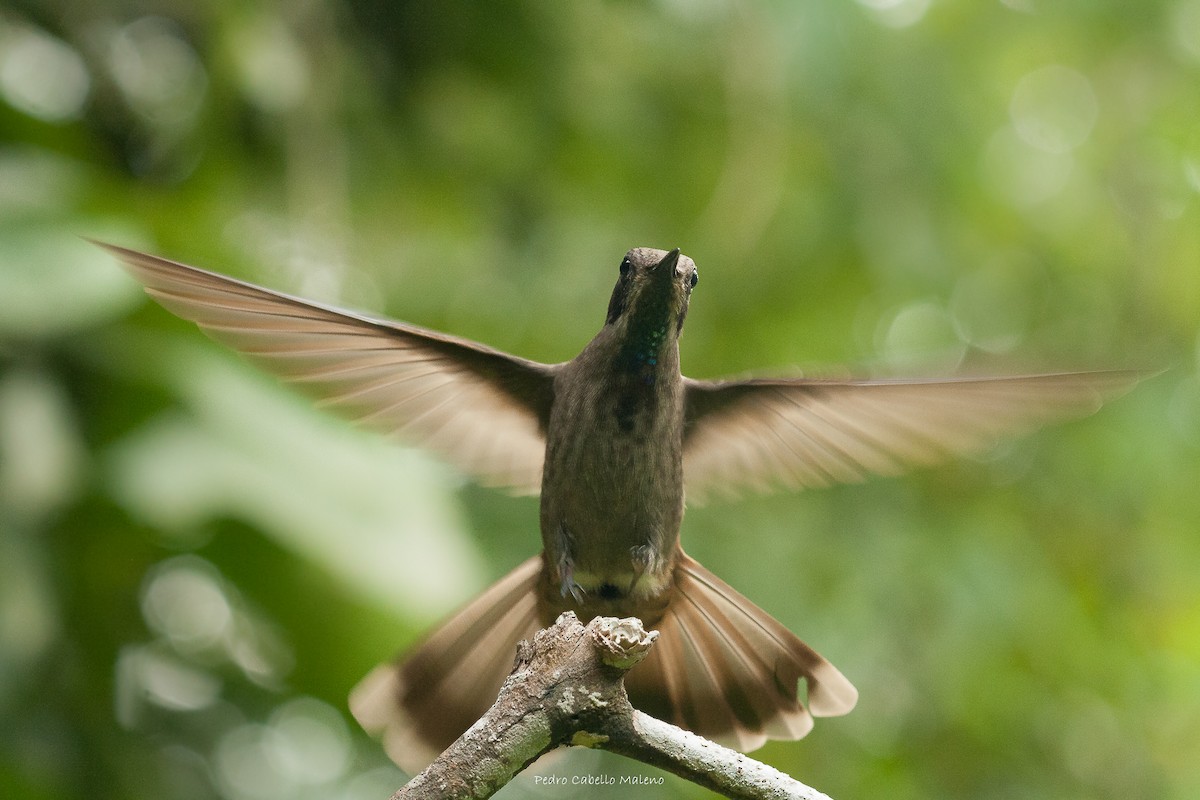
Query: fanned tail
point(722, 668)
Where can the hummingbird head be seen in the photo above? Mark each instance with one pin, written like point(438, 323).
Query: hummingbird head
point(652, 293)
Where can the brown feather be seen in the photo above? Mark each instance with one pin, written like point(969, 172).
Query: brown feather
point(727, 670)
point(722, 667)
point(483, 410)
point(423, 703)
point(762, 434)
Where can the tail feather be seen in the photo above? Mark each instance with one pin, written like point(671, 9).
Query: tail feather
point(441, 687)
point(729, 671)
point(829, 693)
point(722, 668)
point(746, 681)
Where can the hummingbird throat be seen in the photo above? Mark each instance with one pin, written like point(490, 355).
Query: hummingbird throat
point(647, 346)
point(644, 341)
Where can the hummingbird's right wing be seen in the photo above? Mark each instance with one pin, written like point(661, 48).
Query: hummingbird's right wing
point(798, 433)
point(484, 411)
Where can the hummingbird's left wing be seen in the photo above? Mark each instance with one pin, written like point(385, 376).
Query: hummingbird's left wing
point(758, 434)
point(482, 410)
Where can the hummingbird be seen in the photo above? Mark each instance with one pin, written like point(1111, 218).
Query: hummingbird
point(613, 440)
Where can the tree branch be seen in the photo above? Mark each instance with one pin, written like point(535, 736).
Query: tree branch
point(567, 689)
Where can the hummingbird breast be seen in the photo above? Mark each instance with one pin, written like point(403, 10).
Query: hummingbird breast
point(612, 485)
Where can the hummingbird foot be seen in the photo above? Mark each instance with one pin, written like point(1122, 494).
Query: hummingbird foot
point(645, 558)
point(569, 586)
point(566, 566)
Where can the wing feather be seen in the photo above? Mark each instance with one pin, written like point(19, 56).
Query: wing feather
point(482, 410)
point(761, 434)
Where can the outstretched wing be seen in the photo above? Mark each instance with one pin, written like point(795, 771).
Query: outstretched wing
point(758, 434)
point(482, 410)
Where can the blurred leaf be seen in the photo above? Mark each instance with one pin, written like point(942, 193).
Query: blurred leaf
point(381, 517)
point(52, 282)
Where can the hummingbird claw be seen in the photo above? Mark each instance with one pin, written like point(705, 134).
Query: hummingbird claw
point(566, 566)
point(645, 558)
point(574, 589)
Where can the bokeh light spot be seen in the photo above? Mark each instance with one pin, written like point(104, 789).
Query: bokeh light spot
point(271, 67)
point(246, 765)
point(41, 75)
point(157, 70)
point(184, 601)
point(1021, 174)
point(1054, 109)
point(311, 743)
point(897, 13)
point(147, 673)
point(921, 336)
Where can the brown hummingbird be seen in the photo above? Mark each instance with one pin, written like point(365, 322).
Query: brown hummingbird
point(612, 438)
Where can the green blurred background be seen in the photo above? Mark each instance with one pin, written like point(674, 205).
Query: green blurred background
point(196, 566)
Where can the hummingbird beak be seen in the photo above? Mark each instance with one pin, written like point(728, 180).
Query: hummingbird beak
point(667, 265)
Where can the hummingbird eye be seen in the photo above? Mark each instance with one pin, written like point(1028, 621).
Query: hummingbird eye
point(694, 279)
point(625, 266)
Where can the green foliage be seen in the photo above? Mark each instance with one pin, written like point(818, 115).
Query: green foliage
point(195, 566)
